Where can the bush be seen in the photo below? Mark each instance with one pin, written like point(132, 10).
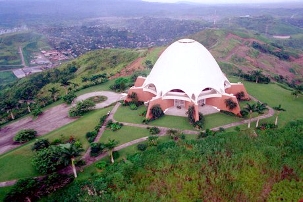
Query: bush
point(25, 135)
point(96, 149)
point(142, 147)
point(154, 130)
point(81, 108)
point(69, 97)
point(101, 165)
point(40, 144)
point(133, 106)
point(90, 136)
point(157, 111)
point(37, 112)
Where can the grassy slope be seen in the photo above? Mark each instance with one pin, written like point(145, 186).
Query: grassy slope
point(21, 157)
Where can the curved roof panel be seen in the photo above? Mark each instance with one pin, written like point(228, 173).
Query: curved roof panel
point(186, 65)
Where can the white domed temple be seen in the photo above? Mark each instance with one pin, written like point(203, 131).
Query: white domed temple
point(186, 74)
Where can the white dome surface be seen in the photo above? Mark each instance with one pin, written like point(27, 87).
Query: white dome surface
point(186, 65)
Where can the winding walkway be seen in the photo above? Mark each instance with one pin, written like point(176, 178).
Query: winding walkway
point(90, 160)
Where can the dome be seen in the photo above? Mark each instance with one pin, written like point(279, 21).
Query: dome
point(186, 66)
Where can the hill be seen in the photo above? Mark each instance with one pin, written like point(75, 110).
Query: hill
point(237, 51)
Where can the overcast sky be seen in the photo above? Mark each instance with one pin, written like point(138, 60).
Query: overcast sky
point(224, 1)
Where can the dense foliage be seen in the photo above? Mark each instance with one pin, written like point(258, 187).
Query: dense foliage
point(25, 135)
point(81, 108)
point(31, 189)
point(227, 166)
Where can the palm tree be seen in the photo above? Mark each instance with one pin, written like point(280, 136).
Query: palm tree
point(257, 74)
point(69, 154)
point(9, 105)
point(53, 92)
point(110, 145)
point(260, 108)
point(230, 104)
point(250, 108)
point(65, 83)
point(278, 110)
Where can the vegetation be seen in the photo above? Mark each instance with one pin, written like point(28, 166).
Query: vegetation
point(81, 108)
point(233, 166)
point(156, 112)
point(25, 135)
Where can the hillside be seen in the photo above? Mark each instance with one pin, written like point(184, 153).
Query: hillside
point(234, 51)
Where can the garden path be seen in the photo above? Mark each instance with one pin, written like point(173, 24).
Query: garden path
point(89, 160)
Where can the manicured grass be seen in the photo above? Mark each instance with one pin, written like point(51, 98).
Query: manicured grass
point(274, 95)
point(17, 163)
point(125, 134)
point(125, 114)
point(219, 119)
point(178, 122)
point(3, 192)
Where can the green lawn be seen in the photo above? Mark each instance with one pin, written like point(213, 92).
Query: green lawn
point(11, 162)
point(125, 134)
point(125, 114)
point(274, 95)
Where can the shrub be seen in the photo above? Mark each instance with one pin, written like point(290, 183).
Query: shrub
point(40, 144)
point(133, 106)
point(81, 108)
point(101, 165)
point(142, 147)
point(37, 112)
point(157, 111)
point(25, 135)
point(69, 97)
point(90, 136)
point(146, 121)
point(154, 130)
point(96, 149)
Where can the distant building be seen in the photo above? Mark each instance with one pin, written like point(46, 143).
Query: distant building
point(186, 74)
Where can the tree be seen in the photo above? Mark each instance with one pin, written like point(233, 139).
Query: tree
point(157, 111)
point(25, 135)
point(69, 97)
point(240, 95)
point(54, 92)
point(230, 104)
point(260, 108)
point(257, 74)
point(48, 159)
point(149, 64)
point(40, 144)
point(81, 108)
point(250, 108)
point(69, 153)
point(65, 83)
point(9, 105)
point(27, 95)
point(191, 114)
point(278, 110)
point(110, 145)
point(153, 140)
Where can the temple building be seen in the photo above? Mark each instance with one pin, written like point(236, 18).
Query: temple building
point(187, 74)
